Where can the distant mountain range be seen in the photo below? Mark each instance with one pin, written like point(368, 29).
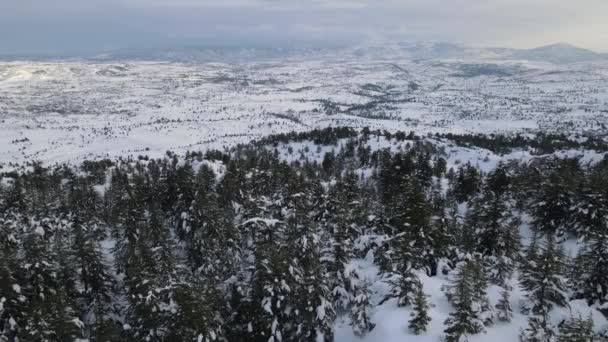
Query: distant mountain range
point(555, 53)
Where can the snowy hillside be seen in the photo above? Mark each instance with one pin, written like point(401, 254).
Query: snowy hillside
point(332, 235)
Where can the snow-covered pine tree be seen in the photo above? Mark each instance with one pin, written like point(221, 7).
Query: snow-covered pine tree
point(577, 329)
point(591, 264)
point(384, 245)
point(193, 310)
point(403, 286)
point(424, 170)
point(412, 246)
point(552, 208)
point(12, 308)
point(420, 318)
point(148, 291)
point(480, 296)
point(503, 307)
point(496, 229)
point(96, 298)
point(592, 267)
point(180, 193)
point(464, 320)
point(272, 296)
point(162, 246)
point(48, 290)
point(314, 310)
point(341, 218)
point(272, 282)
point(415, 244)
point(590, 210)
point(209, 231)
point(467, 182)
point(361, 308)
point(145, 319)
point(541, 277)
point(444, 226)
point(538, 330)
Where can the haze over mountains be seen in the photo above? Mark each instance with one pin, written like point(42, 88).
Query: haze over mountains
point(560, 53)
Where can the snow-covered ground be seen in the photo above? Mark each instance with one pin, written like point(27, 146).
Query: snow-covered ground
point(72, 110)
point(392, 321)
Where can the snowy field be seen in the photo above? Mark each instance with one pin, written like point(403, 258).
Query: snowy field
point(73, 110)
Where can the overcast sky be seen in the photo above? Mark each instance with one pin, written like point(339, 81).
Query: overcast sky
point(91, 26)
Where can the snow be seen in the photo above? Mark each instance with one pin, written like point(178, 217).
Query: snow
point(71, 111)
point(74, 110)
point(392, 321)
point(268, 222)
point(12, 323)
point(39, 231)
point(78, 323)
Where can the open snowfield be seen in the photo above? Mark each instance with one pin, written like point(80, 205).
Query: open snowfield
point(72, 110)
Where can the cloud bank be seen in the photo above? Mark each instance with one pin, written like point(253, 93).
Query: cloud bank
point(70, 26)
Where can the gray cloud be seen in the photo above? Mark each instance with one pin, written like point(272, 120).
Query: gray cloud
point(69, 26)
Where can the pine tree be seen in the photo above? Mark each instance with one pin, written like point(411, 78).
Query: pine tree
point(552, 207)
point(505, 312)
point(541, 277)
point(538, 330)
point(591, 282)
point(403, 286)
point(424, 170)
point(592, 266)
point(467, 183)
point(147, 290)
point(208, 230)
point(590, 211)
point(420, 317)
point(97, 294)
point(15, 199)
point(193, 311)
point(480, 297)
point(48, 290)
point(271, 293)
point(12, 309)
point(444, 227)
point(496, 230)
point(341, 217)
point(361, 310)
point(576, 329)
point(314, 306)
point(602, 336)
point(465, 319)
point(415, 245)
point(273, 281)
point(95, 297)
